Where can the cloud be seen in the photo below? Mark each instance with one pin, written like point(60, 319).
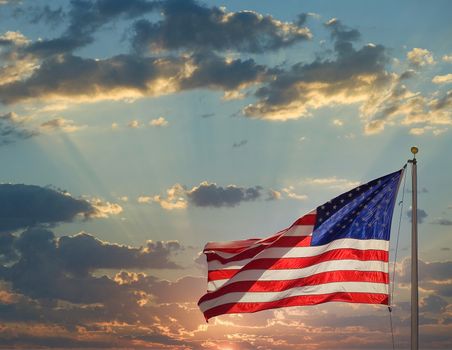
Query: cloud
point(159, 122)
point(89, 79)
point(55, 292)
point(12, 129)
point(6, 2)
point(332, 182)
point(15, 64)
point(341, 33)
point(67, 77)
point(211, 195)
point(420, 57)
point(239, 144)
point(51, 268)
point(205, 195)
point(103, 209)
point(421, 215)
point(432, 303)
point(428, 112)
point(447, 58)
point(103, 255)
point(422, 130)
point(61, 124)
point(192, 26)
point(84, 20)
point(273, 195)
point(50, 70)
point(134, 124)
point(442, 221)
point(289, 192)
point(208, 70)
point(351, 76)
point(45, 14)
point(421, 190)
point(338, 122)
point(12, 38)
point(442, 79)
point(175, 198)
point(24, 206)
point(433, 276)
point(144, 199)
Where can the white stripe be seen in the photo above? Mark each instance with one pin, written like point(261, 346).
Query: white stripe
point(261, 297)
point(290, 274)
point(296, 230)
point(300, 230)
point(302, 252)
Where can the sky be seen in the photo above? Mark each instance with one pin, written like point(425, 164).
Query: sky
point(134, 132)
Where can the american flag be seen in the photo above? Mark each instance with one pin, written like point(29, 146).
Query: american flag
point(337, 252)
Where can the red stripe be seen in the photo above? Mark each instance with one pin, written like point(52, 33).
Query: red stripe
point(297, 263)
point(308, 219)
point(313, 280)
point(233, 308)
point(231, 247)
point(239, 246)
point(221, 274)
point(282, 242)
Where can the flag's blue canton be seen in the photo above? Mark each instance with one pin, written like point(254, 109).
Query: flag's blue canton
point(362, 213)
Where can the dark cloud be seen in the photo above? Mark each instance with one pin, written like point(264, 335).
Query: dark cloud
point(433, 276)
point(240, 144)
point(352, 75)
point(76, 76)
point(421, 215)
point(45, 14)
point(129, 75)
point(184, 290)
point(433, 304)
point(301, 19)
point(62, 269)
point(340, 33)
point(85, 18)
point(216, 72)
point(422, 190)
point(60, 342)
point(185, 24)
point(57, 283)
point(211, 195)
point(83, 252)
point(442, 221)
point(7, 251)
point(445, 102)
point(189, 25)
point(9, 2)
point(12, 129)
point(28, 205)
point(408, 74)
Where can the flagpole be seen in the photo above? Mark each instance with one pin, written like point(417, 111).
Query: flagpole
point(414, 256)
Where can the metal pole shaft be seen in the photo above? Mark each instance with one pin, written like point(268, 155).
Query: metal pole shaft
point(414, 263)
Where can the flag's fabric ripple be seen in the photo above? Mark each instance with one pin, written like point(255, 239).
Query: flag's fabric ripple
point(337, 252)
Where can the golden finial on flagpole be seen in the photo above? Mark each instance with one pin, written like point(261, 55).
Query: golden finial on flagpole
point(414, 150)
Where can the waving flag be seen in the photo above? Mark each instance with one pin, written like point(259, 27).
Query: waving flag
point(337, 252)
